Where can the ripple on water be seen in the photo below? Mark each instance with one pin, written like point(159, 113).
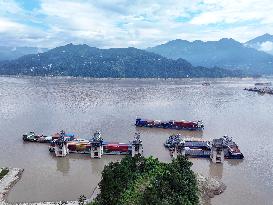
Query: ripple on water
point(79, 105)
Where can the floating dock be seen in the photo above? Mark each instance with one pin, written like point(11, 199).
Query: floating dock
point(172, 124)
point(63, 144)
point(96, 146)
point(217, 149)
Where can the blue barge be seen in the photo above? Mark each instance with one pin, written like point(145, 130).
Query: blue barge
point(172, 124)
point(201, 148)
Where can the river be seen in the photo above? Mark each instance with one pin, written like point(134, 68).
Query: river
point(83, 105)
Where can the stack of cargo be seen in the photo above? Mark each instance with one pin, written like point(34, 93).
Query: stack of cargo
point(116, 148)
point(67, 136)
point(192, 143)
point(76, 145)
point(81, 147)
point(179, 125)
point(199, 147)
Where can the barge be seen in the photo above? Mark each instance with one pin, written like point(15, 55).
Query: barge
point(267, 90)
point(201, 148)
point(172, 124)
point(32, 137)
point(96, 146)
point(263, 84)
point(84, 147)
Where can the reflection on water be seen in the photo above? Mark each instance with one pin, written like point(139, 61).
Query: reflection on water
point(63, 165)
point(216, 170)
point(234, 162)
point(166, 132)
point(83, 105)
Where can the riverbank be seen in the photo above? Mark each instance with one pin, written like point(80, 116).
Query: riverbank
point(8, 181)
point(13, 176)
point(208, 187)
point(3, 172)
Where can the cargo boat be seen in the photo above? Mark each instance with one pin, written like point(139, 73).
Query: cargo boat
point(172, 124)
point(192, 143)
point(201, 148)
point(263, 84)
point(32, 137)
point(264, 90)
point(83, 146)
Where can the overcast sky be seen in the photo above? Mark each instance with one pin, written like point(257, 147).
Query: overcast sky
point(123, 23)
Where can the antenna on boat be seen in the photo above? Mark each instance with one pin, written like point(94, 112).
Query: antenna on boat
point(137, 148)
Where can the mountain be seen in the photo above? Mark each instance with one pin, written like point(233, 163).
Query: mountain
point(10, 53)
point(225, 53)
point(82, 60)
point(262, 43)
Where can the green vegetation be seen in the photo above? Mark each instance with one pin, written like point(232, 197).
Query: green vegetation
point(82, 200)
point(3, 172)
point(86, 61)
point(139, 180)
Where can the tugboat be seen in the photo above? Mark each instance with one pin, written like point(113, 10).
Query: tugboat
point(178, 125)
point(232, 150)
point(206, 84)
point(32, 137)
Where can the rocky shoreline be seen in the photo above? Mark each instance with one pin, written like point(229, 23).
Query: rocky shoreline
point(13, 176)
point(8, 181)
point(208, 188)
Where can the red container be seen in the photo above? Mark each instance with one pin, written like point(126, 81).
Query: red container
point(186, 124)
point(72, 147)
point(117, 147)
point(55, 136)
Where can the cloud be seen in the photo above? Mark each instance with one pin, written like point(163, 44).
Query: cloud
point(139, 23)
point(234, 11)
point(9, 26)
point(9, 7)
point(266, 46)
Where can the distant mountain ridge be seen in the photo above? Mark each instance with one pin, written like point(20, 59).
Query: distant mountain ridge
point(11, 53)
point(262, 43)
point(83, 60)
point(225, 53)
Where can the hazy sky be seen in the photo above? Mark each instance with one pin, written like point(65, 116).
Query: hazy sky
point(123, 23)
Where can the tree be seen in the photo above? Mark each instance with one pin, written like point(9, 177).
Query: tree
point(138, 180)
point(81, 200)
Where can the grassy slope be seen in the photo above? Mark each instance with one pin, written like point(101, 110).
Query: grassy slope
point(3, 172)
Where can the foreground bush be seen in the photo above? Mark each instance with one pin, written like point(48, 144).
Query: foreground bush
point(3, 172)
point(139, 180)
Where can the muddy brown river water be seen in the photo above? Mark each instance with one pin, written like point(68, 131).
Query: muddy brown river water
point(82, 106)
